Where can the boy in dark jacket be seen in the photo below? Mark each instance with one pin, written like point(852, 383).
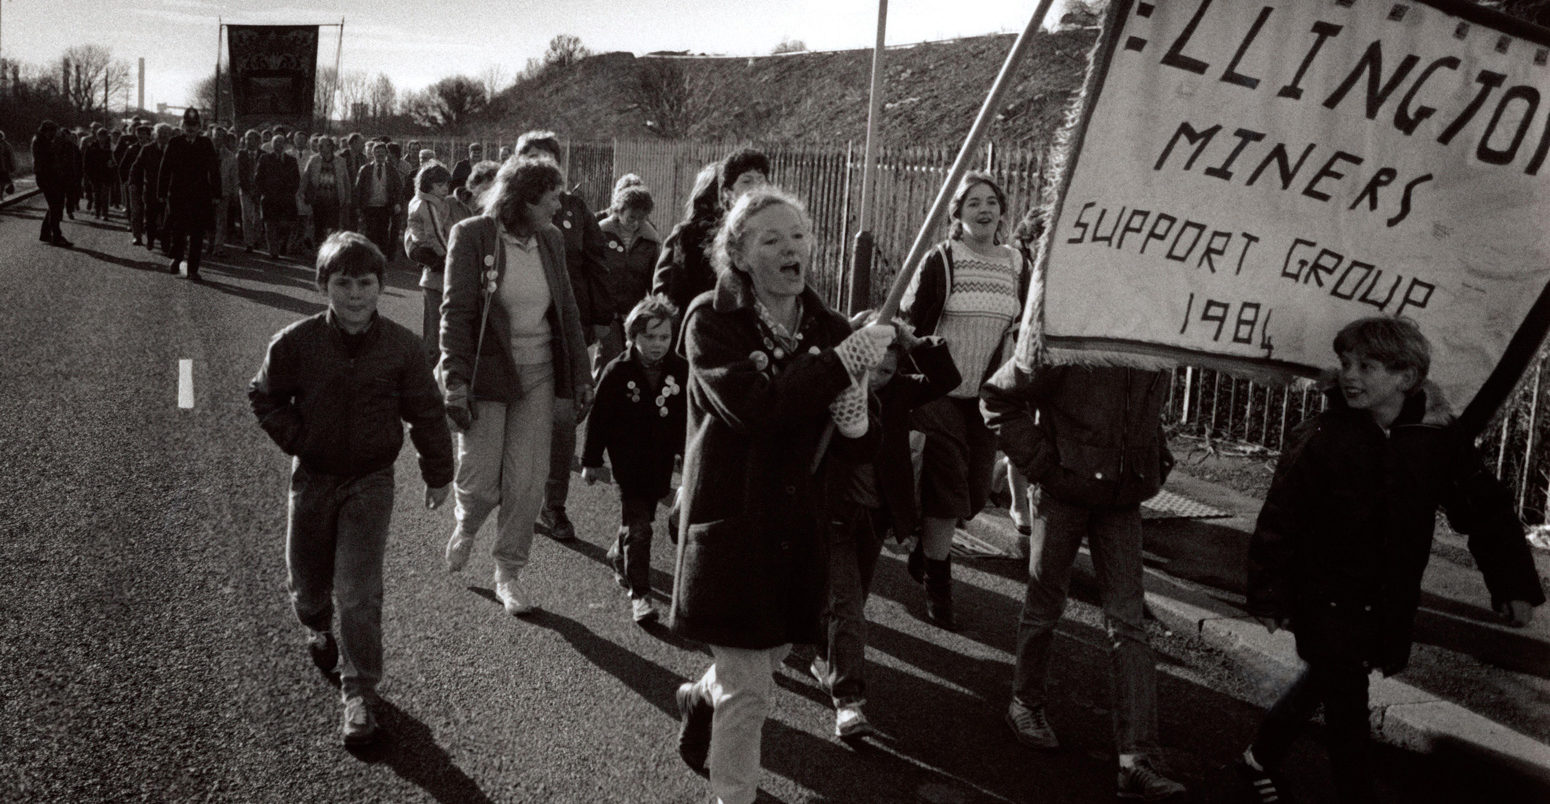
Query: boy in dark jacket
point(331, 392)
point(869, 499)
point(1345, 534)
point(639, 418)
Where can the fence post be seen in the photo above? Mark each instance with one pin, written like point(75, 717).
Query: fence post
point(1528, 440)
point(1189, 380)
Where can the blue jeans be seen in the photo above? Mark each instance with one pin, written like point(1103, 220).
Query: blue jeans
point(1114, 539)
point(334, 548)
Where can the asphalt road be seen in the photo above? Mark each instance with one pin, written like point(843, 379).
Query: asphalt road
point(147, 650)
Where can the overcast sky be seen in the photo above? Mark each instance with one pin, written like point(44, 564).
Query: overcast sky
point(417, 42)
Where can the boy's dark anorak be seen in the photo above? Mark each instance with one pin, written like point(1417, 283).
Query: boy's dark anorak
point(640, 427)
point(1098, 440)
point(752, 562)
point(1346, 529)
point(340, 413)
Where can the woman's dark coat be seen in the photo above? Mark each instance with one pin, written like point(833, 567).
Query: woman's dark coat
point(277, 178)
point(190, 182)
point(641, 428)
point(476, 259)
point(45, 166)
point(629, 267)
point(751, 569)
point(683, 268)
point(1346, 529)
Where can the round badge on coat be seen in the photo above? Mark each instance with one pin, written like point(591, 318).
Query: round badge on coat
point(567, 223)
point(489, 259)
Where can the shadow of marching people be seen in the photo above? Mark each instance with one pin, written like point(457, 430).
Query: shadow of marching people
point(411, 751)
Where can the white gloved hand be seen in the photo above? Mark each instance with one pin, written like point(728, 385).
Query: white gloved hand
point(849, 411)
point(864, 348)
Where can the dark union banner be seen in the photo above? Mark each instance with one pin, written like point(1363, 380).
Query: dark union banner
point(273, 69)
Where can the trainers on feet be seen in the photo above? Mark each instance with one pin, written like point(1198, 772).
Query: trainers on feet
point(1140, 781)
point(694, 715)
point(510, 595)
point(323, 650)
point(642, 610)
point(850, 723)
point(555, 523)
point(819, 670)
point(1259, 782)
point(458, 548)
point(1031, 726)
point(360, 723)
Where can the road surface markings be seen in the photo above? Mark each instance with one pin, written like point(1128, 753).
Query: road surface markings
point(186, 384)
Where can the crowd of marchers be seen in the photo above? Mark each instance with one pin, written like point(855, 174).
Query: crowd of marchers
point(790, 443)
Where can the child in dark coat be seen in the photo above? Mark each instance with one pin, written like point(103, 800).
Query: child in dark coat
point(1345, 534)
point(869, 498)
point(639, 419)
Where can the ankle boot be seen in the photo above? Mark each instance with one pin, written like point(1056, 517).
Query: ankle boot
point(939, 591)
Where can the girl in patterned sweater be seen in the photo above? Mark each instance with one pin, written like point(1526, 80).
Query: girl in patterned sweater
point(969, 291)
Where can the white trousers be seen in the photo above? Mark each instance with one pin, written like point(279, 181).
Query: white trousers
point(739, 682)
point(503, 461)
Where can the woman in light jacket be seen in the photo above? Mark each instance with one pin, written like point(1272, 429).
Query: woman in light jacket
point(511, 350)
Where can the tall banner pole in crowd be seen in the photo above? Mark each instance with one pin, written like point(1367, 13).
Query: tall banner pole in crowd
point(328, 116)
point(220, 33)
point(988, 113)
point(960, 166)
point(861, 260)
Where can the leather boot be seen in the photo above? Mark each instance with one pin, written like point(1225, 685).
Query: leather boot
point(939, 592)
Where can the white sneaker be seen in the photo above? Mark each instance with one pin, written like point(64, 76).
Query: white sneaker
point(850, 723)
point(642, 610)
point(510, 595)
point(458, 548)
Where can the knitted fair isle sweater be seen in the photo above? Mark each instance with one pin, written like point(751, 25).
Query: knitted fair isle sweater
point(979, 306)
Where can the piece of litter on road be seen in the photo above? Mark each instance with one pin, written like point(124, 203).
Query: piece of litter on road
point(186, 384)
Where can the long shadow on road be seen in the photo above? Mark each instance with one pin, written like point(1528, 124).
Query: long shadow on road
point(269, 298)
point(412, 752)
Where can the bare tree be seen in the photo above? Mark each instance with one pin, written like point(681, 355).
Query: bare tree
point(448, 104)
point(495, 79)
point(383, 97)
point(94, 77)
point(203, 94)
point(789, 45)
point(670, 98)
point(354, 88)
point(565, 50)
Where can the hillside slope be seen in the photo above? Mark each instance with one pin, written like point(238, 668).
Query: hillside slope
point(932, 92)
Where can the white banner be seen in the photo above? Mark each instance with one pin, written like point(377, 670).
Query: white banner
point(1248, 177)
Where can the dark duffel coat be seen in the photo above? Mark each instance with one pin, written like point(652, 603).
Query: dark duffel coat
point(752, 558)
point(190, 181)
point(1346, 529)
point(641, 428)
point(683, 268)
